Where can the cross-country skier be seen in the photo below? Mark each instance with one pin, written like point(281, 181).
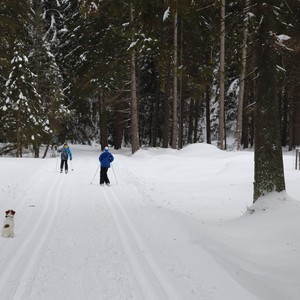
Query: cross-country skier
point(65, 153)
point(105, 159)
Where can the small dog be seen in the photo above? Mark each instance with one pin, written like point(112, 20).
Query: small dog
point(8, 226)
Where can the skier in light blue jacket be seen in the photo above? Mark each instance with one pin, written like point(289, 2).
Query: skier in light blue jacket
point(65, 153)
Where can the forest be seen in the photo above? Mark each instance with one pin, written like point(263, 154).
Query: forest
point(152, 73)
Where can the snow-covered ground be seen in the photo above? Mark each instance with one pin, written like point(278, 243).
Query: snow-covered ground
point(173, 225)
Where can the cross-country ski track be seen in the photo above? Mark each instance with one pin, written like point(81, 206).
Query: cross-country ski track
point(77, 240)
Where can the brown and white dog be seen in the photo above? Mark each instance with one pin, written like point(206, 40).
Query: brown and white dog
point(8, 226)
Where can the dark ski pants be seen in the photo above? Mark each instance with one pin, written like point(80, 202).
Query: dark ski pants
point(103, 175)
point(62, 163)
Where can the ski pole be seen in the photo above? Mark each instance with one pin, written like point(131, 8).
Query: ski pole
point(114, 173)
point(56, 163)
point(95, 175)
point(71, 165)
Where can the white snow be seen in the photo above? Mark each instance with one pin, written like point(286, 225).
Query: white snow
point(283, 37)
point(166, 14)
point(132, 45)
point(173, 225)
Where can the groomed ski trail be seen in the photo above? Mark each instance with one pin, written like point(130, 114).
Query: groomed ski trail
point(153, 283)
point(176, 278)
point(17, 275)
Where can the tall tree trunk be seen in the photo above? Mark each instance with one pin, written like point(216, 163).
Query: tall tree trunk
point(135, 143)
point(164, 91)
point(103, 122)
point(291, 129)
point(119, 125)
point(155, 122)
point(296, 116)
point(191, 120)
point(181, 103)
point(293, 91)
point(166, 111)
point(36, 149)
point(175, 80)
point(246, 118)
point(284, 113)
point(196, 120)
point(207, 110)
point(48, 145)
point(18, 136)
point(268, 173)
point(222, 79)
point(239, 125)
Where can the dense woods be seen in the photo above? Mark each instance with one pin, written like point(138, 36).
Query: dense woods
point(152, 73)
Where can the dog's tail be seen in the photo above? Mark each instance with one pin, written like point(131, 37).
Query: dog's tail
point(6, 226)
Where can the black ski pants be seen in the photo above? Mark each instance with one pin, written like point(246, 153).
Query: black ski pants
point(103, 175)
point(62, 163)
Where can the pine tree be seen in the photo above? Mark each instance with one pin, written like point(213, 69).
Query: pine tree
point(48, 76)
point(13, 25)
point(22, 123)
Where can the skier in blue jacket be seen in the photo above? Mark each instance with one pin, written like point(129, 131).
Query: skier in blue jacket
point(105, 159)
point(65, 153)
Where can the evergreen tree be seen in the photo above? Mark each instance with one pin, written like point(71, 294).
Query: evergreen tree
point(81, 55)
point(13, 25)
point(48, 76)
point(22, 121)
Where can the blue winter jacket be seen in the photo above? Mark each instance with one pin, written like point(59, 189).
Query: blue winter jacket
point(105, 159)
point(65, 153)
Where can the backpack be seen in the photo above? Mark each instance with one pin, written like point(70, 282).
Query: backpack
point(64, 154)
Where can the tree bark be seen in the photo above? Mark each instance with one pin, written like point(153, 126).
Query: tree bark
point(239, 125)
point(207, 110)
point(166, 111)
point(296, 116)
point(222, 79)
point(103, 122)
point(196, 120)
point(268, 173)
point(155, 121)
point(18, 136)
point(191, 121)
point(175, 83)
point(119, 128)
point(135, 143)
point(181, 102)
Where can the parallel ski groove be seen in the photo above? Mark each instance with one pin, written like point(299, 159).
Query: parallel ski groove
point(25, 248)
point(153, 283)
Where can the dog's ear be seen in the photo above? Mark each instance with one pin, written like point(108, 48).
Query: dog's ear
point(12, 212)
point(7, 212)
